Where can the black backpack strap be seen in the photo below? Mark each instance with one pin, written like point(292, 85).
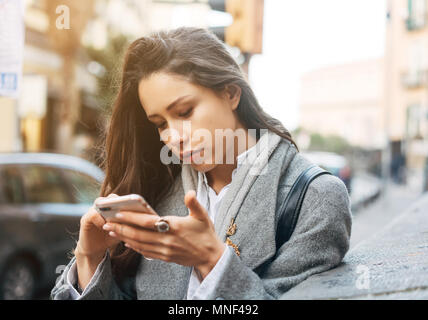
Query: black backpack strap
point(290, 208)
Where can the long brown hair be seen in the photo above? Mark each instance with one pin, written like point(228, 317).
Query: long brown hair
point(133, 144)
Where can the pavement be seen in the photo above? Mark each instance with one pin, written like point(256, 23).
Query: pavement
point(372, 217)
point(391, 264)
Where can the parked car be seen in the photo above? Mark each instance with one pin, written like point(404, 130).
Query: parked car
point(332, 162)
point(42, 198)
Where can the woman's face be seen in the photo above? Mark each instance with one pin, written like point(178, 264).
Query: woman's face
point(173, 104)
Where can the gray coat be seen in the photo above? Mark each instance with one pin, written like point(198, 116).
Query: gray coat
point(319, 242)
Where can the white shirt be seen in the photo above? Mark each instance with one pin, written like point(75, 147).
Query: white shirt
point(211, 201)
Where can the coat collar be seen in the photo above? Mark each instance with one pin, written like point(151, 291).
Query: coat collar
point(251, 195)
point(245, 176)
point(253, 189)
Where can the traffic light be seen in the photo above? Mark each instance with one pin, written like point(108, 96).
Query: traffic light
point(246, 30)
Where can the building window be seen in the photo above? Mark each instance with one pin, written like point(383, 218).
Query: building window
point(417, 75)
point(417, 13)
point(415, 121)
point(11, 187)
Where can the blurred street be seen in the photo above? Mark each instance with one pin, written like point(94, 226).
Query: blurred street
point(370, 219)
point(365, 189)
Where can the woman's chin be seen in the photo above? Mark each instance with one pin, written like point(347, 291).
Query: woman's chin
point(202, 167)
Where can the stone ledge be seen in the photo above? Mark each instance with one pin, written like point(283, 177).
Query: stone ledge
point(393, 264)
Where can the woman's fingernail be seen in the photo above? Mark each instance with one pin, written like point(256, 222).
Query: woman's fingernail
point(127, 245)
point(112, 234)
point(119, 215)
point(107, 227)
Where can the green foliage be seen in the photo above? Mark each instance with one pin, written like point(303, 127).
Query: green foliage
point(110, 58)
point(331, 143)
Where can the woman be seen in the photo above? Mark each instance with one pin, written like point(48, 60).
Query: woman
point(180, 89)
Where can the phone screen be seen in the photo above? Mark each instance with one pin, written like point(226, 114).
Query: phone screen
point(108, 207)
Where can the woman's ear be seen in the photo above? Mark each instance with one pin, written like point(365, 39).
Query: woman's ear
point(233, 95)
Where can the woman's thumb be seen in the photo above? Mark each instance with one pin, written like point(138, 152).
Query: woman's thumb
point(196, 209)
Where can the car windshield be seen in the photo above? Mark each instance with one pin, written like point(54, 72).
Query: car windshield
point(44, 184)
point(84, 188)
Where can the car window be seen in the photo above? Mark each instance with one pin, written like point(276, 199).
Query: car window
point(11, 185)
point(44, 184)
point(85, 189)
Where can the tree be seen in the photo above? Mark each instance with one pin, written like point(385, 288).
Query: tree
point(110, 58)
point(331, 143)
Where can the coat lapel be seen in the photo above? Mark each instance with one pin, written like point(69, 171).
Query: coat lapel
point(252, 194)
point(253, 190)
point(256, 218)
point(244, 179)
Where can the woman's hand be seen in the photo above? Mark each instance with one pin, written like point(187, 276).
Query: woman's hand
point(190, 240)
point(93, 240)
point(92, 245)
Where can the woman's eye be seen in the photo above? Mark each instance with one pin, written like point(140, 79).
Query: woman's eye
point(186, 113)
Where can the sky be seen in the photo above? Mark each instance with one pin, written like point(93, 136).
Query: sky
point(304, 35)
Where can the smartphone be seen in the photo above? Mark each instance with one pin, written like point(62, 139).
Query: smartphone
point(108, 207)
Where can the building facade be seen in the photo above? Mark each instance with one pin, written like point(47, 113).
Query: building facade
point(347, 101)
point(406, 84)
point(57, 110)
point(35, 120)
